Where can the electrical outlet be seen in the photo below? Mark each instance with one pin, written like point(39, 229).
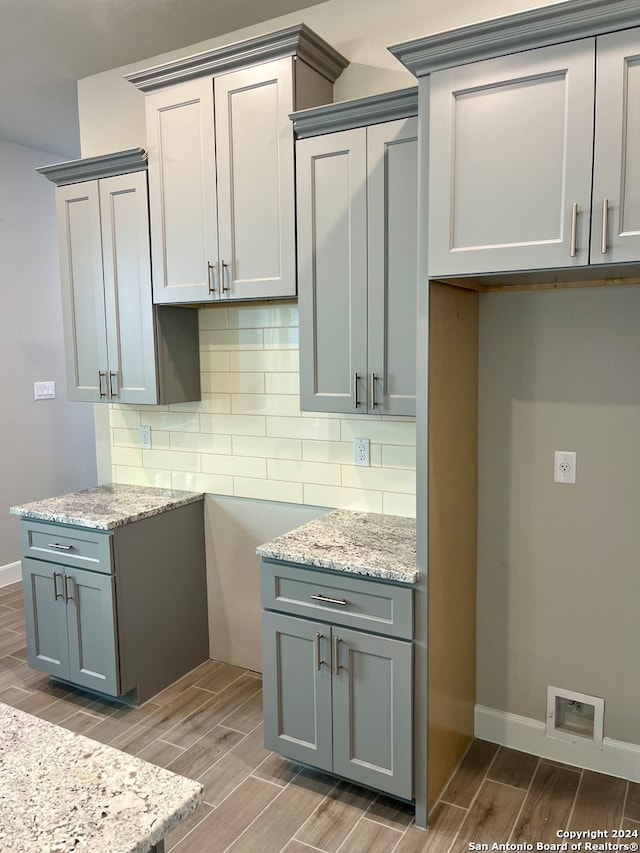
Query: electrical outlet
point(145, 437)
point(361, 451)
point(564, 466)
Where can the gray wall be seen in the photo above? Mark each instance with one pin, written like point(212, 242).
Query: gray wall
point(46, 447)
point(559, 578)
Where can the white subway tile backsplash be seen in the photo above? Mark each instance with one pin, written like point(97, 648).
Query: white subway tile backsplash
point(200, 442)
point(396, 456)
point(281, 383)
point(340, 452)
point(208, 483)
point(272, 404)
point(124, 418)
point(323, 428)
point(268, 448)
point(304, 472)
point(234, 466)
point(281, 338)
point(396, 504)
point(335, 496)
point(213, 317)
point(142, 476)
point(233, 424)
point(259, 316)
point(126, 456)
point(180, 421)
point(232, 339)
point(232, 383)
point(384, 479)
point(268, 490)
point(382, 432)
point(213, 360)
point(285, 361)
point(171, 460)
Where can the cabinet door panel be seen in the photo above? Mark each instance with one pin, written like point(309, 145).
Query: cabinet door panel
point(91, 628)
point(616, 171)
point(510, 153)
point(127, 284)
point(332, 271)
point(182, 192)
point(392, 158)
point(256, 201)
point(372, 711)
point(297, 689)
point(45, 617)
point(78, 215)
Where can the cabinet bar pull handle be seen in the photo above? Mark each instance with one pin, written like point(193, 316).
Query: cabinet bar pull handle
point(574, 229)
point(56, 594)
point(605, 225)
point(210, 266)
point(341, 601)
point(336, 655)
point(101, 374)
point(112, 393)
point(374, 405)
point(223, 267)
point(355, 391)
point(67, 597)
point(319, 660)
point(60, 547)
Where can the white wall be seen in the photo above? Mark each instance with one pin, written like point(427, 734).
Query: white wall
point(46, 447)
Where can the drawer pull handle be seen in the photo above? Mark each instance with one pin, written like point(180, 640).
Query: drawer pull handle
point(319, 660)
point(56, 594)
point(336, 655)
point(59, 547)
point(341, 601)
point(65, 580)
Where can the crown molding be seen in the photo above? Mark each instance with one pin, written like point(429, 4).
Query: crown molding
point(90, 168)
point(359, 112)
point(565, 21)
point(298, 41)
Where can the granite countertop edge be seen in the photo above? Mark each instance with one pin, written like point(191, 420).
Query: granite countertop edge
point(375, 572)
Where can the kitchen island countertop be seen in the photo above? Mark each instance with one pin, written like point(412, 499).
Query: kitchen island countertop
point(364, 543)
point(106, 507)
point(64, 792)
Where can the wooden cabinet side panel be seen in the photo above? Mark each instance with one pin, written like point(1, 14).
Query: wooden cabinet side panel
point(256, 199)
point(452, 537)
point(616, 169)
point(178, 354)
point(392, 160)
point(79, 241)
point(332, 271)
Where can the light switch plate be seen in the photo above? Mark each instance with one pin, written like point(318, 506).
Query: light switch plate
point(44, 390)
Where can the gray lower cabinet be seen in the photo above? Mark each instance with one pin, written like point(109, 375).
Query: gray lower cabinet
point(121, 612)
point(335, 697)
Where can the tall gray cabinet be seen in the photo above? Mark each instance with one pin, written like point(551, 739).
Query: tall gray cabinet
point(118, 346)
point(221, 164)
point(356, 180)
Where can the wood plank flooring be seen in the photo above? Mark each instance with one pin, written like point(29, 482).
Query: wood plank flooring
point(208, 726)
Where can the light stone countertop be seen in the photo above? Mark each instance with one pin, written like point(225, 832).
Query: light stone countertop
point(106, 507)
point(60, 791)
point(363, 543)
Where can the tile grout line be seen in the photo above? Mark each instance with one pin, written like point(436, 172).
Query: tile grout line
point(473, 800)
point(624, 803)
point(575, 799)
point(526, 797)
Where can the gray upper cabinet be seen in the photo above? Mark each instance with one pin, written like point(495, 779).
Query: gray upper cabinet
point(221, 172)
point(119, 348)
point(357, 254)
point(516, 181)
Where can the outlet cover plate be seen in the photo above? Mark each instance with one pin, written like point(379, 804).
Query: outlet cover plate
point(361, 451)
point(145, 437)
point(564, 467)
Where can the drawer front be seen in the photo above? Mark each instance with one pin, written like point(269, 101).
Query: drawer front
point(66, 545)
point(356, 602)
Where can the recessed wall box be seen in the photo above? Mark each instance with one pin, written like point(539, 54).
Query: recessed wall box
point(575, 717)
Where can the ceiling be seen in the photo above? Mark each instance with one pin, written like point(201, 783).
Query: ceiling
point(47, 45)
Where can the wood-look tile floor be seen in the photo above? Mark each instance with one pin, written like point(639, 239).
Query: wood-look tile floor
point(208, 726)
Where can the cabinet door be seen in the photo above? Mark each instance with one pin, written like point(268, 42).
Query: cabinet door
point(127, 287)
point(392, 158)
point(332, 271)
point(182, 192)
point(296, 664)
point(91, 628)
point(45, 617)
point(616, 170)
point(372, 717)
point(510, 154)
point(78, 215)
point(256, 198)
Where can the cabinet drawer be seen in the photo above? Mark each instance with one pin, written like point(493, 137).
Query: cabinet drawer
point(69, 546)
point(356, 602)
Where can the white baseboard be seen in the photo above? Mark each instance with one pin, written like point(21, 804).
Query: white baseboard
point(616, 758)
point(10, 573)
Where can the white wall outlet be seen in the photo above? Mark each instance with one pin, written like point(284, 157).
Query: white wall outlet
point(145, 437)
point(564, 466)
point(44, 390)
point(361, 451)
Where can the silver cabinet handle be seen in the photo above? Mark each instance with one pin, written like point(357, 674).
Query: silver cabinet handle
point(341, 601)
point(355, 390)
point(374, 404)
point(210, 266)
point(319, 660)
point(223, 287)
point(336, 655)
point(65, 580)
point(605, 225)
point(60, 547)
point(56, 594)
point(101, 375)
point(574, 229)
point(112, 393)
